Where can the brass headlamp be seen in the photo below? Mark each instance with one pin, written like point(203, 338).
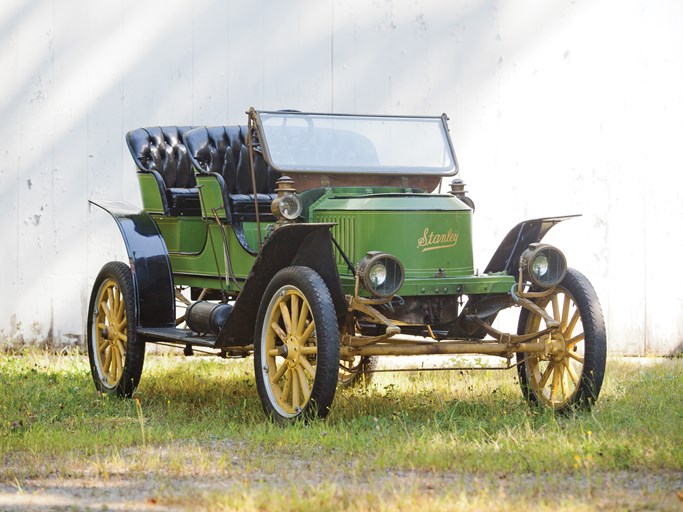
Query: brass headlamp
point(287, 206)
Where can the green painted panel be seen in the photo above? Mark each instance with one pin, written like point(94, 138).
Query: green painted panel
point(183, 234)
point(461, 285)
point(251, 234)
point(211, 196)
point(151, 195)
point(424, 241)
point(209, 264)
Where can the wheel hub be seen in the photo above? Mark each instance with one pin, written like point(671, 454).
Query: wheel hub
point(292, 351)
point(558, 347)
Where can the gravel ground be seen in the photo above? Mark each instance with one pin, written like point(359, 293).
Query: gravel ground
point(610, 491)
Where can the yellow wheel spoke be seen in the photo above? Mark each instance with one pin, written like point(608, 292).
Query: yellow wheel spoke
point(295, 313)
point(279, 373)
point(114, 363)
point(121, 349)
point(571, 371)
point(296, 388)
point(556, 308)
point(116, 303)
point(307, 333)
point(181, 298)
point(307, 366)
point(107, 360)
point(107, 313)
point(544, 378)
point(565, 312)
point(555, 385)
point(308, 351)
point(274, 352)
point(110, 297)
point(303, 316)
point(305, 389)
point(285, 317)
point(571, 343)
point(278, 330)
point(122, 336)
point(564, 391)
point(102, 345)
point(572, 323)
point(276, 389)
point(575, 356)
point(288, 386)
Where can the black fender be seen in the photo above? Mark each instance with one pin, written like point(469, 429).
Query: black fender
point(149, 264)
point(506, 257)
point(307, 245)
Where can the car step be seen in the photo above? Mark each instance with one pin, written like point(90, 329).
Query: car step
point(175, 335)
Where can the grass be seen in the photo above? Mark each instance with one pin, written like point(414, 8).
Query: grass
point(195, 435)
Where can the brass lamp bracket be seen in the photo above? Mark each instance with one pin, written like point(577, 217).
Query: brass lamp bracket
point(534, 308)
point(365, 306)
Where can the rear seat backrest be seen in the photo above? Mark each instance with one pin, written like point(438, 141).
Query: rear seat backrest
point(161, 149)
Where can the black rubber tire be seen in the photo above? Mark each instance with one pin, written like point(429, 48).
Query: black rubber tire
point(594, 345)
point(119, 275)
point(309, 284)
point(361, 374)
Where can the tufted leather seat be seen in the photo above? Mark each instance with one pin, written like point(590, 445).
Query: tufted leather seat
point(160, 150)
point(222, 151)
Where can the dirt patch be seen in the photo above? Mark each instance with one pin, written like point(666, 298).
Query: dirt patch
point(604, 491)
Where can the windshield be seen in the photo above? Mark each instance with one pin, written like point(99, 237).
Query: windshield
point(334, 143)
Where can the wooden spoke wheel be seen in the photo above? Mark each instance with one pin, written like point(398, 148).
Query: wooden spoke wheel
point(116, 354)
point(572, 375)
point(296, 356)
point(356, 371)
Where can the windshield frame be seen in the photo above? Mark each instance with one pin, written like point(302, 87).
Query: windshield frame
point(389, 171)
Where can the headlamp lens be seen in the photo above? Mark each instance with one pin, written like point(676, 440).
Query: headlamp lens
point(377, 275)
point(540, 265)
point(288, 206)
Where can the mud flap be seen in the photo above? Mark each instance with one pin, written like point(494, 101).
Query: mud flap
point(505, 259)
point(518, 239)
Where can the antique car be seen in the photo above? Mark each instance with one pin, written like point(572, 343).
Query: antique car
point(318, 242)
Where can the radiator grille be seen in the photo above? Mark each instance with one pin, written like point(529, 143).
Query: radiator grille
point(345, 235)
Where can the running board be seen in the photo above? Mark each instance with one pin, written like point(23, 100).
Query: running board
point(175, 335)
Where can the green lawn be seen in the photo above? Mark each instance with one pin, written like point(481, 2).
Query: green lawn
point(196, 436)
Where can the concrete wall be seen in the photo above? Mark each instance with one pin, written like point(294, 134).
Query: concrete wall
point(556, 107)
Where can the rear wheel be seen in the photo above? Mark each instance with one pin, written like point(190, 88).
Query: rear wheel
point(296, 353)
point(115, 352)
point(357, 371)
point(572, 377)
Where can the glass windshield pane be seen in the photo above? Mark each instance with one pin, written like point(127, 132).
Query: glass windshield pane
point(357, 144)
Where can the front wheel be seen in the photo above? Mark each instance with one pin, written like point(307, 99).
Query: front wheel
point(296, 353)
point(573, 377)
point(116, 353)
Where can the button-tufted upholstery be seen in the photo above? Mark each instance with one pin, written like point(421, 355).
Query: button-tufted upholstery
point(160, 150)
point(222, 150)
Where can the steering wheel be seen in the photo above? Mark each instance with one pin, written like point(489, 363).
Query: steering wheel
point(294, 142)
